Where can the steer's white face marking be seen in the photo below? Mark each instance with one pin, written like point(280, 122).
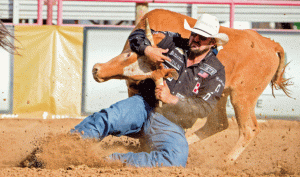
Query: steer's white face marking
point(140, 67)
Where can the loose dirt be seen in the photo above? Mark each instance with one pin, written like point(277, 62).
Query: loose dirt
point(274, 152)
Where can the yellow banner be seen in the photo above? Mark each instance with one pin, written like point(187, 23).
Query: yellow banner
point(48, 74)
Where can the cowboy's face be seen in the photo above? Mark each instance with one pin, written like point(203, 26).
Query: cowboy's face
point(198, 42)
point(199, 45)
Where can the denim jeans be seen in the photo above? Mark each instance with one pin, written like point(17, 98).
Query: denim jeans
point(133, 116)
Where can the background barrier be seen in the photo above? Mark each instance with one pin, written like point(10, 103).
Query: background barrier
point(232, 4)
point(6, 78)
point(233, 10)
point(48, 74)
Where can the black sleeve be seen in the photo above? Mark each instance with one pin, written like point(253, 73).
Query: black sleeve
point(138, 41)
point(181, 42)
point(189, 109)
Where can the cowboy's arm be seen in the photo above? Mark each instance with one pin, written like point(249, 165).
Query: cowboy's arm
point(142, 46)
point(138, 41)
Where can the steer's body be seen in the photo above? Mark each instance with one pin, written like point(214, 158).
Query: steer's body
point(251, 63)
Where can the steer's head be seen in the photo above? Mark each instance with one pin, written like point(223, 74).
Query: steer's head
point(115, 68)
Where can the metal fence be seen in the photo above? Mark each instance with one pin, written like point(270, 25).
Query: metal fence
point(34, 11)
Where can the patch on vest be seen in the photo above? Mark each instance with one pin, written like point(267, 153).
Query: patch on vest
point(179, 95)
point(209, 69)
point(172, 64)
point(203, 74)
point(170, 79)
point(196, 88)
point(220, 80)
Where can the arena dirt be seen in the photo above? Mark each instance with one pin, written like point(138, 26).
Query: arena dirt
point(274, 152)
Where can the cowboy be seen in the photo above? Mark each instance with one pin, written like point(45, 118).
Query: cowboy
point(195, 93)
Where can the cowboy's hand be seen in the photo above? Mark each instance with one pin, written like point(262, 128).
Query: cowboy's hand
point(162, 92)
point(155, 55)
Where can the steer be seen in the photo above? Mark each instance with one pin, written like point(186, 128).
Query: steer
point(246, 56)
point(134, 68)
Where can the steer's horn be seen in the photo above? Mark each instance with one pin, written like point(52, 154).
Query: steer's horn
point(148, 32)
point(159, 81)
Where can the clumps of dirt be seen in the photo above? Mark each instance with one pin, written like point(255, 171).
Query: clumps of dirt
point(32, 161)
point(68, 151)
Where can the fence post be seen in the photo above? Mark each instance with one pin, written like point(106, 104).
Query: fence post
point(140, 10)
point(59, 12)
point(194, 10)
point(49, 12)
point(40, 12)
point(232, 12)
point(16, 12)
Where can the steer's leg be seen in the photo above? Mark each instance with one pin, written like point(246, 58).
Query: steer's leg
point(244, 106)
point(217, 121)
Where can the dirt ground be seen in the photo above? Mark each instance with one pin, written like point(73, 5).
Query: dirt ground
point(274, 152)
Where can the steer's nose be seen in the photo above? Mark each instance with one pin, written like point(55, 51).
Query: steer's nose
point(96, 67)
point(95, 72)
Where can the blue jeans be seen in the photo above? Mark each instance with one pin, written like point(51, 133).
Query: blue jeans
point(131, 117)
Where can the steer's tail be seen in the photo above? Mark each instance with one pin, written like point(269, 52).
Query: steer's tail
point(278, 81)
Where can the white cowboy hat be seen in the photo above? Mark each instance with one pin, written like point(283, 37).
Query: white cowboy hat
point(208, 26)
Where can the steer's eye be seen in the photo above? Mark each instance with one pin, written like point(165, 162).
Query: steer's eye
point(128, 55)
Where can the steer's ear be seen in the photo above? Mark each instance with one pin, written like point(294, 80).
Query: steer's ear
point(148, 32)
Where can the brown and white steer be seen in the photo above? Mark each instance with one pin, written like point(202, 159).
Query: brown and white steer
point(251, 62)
